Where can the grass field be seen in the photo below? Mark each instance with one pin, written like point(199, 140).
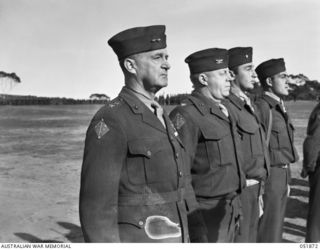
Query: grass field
point(41, 151)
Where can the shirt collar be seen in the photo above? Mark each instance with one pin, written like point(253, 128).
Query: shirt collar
point(277, 98)
point(239, 93)
point(142, 97)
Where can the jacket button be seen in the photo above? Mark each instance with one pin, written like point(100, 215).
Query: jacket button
point(140, 223)
point(180, 174)
point(148, 153)
point(177, 155)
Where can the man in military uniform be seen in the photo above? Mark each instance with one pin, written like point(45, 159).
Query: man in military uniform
point(311, 163)
point(255, 152)
point(208, 132)
point(135, 170)
point(280, 139)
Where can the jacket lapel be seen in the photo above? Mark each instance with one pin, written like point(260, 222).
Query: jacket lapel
point(171, 129)
point(204, 107)
point(139, 108)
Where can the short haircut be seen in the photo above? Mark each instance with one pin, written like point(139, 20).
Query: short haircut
point(235, 70)
point(196, 84)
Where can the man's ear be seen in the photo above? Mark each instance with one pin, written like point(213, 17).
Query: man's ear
point(130, 65)
point(269, 82)
point(232, 75)
point(203, 79)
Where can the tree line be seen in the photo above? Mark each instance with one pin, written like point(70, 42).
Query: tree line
point(34, 100)
point(308, 90)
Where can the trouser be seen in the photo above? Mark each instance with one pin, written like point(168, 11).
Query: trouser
point(313, 219)
point(250, 211)
point(275, 201)
point(221, 218)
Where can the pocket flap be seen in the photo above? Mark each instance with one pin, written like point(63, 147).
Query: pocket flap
point(144, 146)
point(127, 215)
point(214, 133)
point(247, 127)
point(276, 129)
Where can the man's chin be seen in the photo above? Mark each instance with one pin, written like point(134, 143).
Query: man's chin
point(158, 87)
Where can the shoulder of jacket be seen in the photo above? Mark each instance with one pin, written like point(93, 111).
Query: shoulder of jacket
point(112, 110)
point(262, 104)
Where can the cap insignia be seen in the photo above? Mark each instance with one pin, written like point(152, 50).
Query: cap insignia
point(156, 40)
point(114, 103)
point(101, 128)
point(219, 61)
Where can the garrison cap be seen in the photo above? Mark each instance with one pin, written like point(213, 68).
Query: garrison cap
point(270, 68)
point(207, 60)
point(137, 40)
point(239, 56)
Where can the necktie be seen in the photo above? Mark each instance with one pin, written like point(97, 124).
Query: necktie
point(224, 109)
point(158, 111)
point(247, 102)
point(283, 107)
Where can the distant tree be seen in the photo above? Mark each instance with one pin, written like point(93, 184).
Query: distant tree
point(8, 81)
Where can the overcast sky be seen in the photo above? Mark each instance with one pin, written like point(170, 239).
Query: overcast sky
point(59, 47)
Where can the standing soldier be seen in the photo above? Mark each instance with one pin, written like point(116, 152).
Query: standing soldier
point(279, 129)
point(208, 132)
point(255, 152)
point(311, 163)
point(133, 179)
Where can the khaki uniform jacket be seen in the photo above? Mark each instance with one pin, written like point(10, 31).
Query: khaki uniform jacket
point(311, 145)
point(281, 147)
point(254, 149)
point(134, 176)
point(212, 145)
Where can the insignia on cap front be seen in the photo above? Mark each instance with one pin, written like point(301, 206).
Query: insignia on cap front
point(219, 61)
point(156, 40)
point(101, 128)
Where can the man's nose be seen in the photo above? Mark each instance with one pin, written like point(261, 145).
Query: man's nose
point(166, 65)
point(254, 74)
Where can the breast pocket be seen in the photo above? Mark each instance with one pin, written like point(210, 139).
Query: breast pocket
point(150, 161)
point(250, 138)
point(216, 141)
point(278, 137)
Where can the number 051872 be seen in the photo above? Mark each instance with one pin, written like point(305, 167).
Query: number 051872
point(308, 245)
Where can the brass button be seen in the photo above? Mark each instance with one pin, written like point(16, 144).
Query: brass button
point(180, 174)
point(140, 223)
point(177, 155)
point(148, 153)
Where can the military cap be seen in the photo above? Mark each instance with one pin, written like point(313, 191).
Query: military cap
point(137, 40)
point(207, 60)
point(270, 68)
point(239, 56)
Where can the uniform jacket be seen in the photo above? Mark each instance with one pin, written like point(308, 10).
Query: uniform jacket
point(254, 148)
point(209, 136)
point(311, 145)
point(136, 170)
point(281, 146)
